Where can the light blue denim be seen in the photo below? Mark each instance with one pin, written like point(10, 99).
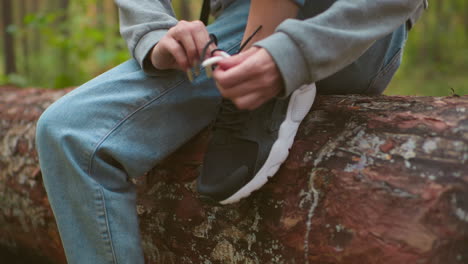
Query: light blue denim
point(118, 126)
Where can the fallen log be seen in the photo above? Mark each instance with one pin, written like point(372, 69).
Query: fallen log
point(368, 180)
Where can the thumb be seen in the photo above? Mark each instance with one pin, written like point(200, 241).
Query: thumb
point(236, 59)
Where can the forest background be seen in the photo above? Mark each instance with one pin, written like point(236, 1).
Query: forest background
point(63, 43)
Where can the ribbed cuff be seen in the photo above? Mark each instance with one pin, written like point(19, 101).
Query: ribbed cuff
point(287, 56)
point(144, 46)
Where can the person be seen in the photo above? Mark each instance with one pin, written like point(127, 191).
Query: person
point(122, 123)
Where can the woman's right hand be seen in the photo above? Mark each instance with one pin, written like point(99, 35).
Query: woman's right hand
point(181, 47)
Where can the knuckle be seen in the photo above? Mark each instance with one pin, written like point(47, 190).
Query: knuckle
point(223, 92)
point(192, 26)
point(237, 103)
point(240, 104)
point(198, 25)
point(172, 49)
point(218, 77)
point(191, 49)
point(170, 32)
point(183, 63)
point(173, 31)
point(179, 29)
point(254, 105)
point(222, 83)
point(267, 79)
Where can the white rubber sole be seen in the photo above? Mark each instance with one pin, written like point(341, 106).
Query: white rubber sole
point(299, 105)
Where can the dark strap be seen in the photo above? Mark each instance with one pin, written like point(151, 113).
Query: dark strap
point(416, 15)
point(205, 12)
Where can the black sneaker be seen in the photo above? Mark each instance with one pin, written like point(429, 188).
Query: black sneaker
point(248, 147)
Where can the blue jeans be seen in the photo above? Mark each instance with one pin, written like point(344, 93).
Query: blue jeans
point(118, 126)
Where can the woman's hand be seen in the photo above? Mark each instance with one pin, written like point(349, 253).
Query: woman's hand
point(249, 79)
point(181, 47)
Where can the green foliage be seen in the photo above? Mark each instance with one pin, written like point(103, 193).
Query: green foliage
point(73, 46)
point(59, 48)
point(436, 54)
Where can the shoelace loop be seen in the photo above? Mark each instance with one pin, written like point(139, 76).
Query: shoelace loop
point(230, 118)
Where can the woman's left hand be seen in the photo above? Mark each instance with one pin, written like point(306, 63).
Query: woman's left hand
point(249, 79)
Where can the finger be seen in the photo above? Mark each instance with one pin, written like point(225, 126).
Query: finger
point(244, 71)
point(201, 37)
point(264, 85)
point(239, 89)
point(178, 52)
point(249, 101)
point(236, 59)
point(182, 33)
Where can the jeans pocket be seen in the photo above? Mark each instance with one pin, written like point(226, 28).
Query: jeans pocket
point(385, 75)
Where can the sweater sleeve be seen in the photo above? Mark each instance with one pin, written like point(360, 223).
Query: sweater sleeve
point(309, 50)
point(142, 24)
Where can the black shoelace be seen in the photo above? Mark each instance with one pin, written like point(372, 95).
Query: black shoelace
point(229, 118)
point(214, 40)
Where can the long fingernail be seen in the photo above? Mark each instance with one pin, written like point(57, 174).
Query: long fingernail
point(209, 71)
point(189, 75)
point(219, 86)
point(196, 67)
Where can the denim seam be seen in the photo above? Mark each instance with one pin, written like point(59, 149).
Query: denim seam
point(107, 232)
point(133, 113)
point(385, 70)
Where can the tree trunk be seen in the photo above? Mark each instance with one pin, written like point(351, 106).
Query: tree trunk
point(36, 34)
point(24, 38)
point(65, 31)
point(368, 180)
point(8, 42)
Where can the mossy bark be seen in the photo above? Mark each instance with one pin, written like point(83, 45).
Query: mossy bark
point(368, 180)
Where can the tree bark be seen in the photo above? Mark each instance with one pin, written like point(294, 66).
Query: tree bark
point(24, 38)
point(8, 42)
point(368, 180)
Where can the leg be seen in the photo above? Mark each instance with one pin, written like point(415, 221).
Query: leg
point(268, 14)
point(117, 126)
point(372, 72)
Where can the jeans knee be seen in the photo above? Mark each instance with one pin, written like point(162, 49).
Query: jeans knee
point(49, 131)
point(55, 131)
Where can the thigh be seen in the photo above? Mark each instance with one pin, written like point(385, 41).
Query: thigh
point(372, 72)
point(230, 25)
point(134, 120)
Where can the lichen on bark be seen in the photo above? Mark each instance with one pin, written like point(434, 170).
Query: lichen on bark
point(368, 180)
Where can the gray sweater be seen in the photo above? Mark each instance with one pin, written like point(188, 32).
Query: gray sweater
point(305, 50)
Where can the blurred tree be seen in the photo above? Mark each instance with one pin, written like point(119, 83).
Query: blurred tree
point(8, 42)
point(78, 39)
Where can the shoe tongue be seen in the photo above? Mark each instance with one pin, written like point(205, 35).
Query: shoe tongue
point(227, 137)
point(230, 118)
point(220, 137)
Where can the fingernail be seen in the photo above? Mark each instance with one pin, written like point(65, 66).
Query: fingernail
point(189, 75)
point(196, 67)
point(209, 71)
point(219, 86)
